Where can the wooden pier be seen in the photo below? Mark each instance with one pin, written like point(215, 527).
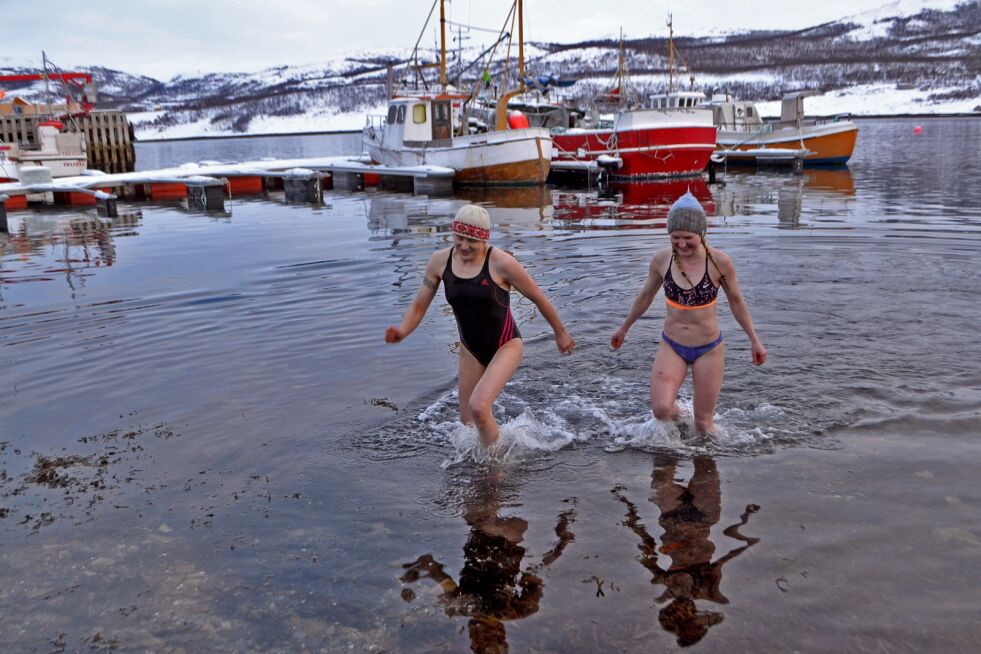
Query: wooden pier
point(108, 137)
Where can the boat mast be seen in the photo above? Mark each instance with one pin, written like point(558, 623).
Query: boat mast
point(670, 55)
point(442, 45)
point(621, 65)
point(521, 47)
point(500, 111)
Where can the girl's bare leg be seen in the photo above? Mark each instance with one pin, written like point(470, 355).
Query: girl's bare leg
point(707, 373)
point(490, 385)
point(667, 374)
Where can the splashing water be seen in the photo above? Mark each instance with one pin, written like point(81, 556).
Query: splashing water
point(530, 430)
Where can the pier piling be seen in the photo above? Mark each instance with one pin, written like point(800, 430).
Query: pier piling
point(303, 185)
point(205, 193)
point(109, 207)
point(344, 181)
point(3, 213)
point(395, 183)
point(432, 185)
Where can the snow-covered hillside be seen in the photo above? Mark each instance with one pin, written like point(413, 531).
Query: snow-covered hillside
point(906, 57)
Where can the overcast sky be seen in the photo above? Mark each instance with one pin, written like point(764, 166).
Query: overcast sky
point(164, 38)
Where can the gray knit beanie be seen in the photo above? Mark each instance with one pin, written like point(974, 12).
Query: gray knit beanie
point(687, 215)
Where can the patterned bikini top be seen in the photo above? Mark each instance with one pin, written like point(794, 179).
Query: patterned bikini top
point(702, 295)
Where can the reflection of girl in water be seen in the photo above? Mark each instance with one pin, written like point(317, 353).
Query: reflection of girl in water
point(493, 587)
point(687, 516)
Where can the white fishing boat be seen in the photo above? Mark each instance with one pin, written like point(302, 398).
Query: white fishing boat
point(419, 131)
point(430, 128)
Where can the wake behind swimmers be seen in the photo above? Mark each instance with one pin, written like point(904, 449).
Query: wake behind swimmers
point(477, 280)
point(691, 274)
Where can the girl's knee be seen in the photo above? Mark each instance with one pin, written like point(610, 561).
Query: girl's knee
point(481, 411)
point(663, 410)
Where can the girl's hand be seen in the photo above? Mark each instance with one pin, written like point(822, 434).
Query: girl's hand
point(759, 353)
point(393, 335)
point(618, 338)
point(564, 342)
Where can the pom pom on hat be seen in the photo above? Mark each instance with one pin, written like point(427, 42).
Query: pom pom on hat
point(473, 222)
point(687, 215)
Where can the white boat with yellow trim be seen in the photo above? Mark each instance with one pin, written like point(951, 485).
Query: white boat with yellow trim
point(433, 128)
point(429, 130)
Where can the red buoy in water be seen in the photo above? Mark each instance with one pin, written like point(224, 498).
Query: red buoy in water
point(917, 129)
point(517, 120)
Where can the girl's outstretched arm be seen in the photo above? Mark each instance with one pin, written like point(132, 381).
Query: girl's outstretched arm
point(643, 300)
point(738, 306)
point(416, 311)
point(516, 275)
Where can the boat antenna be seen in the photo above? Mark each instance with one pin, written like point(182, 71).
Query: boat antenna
point(670, 54)
point(442, 45)
point(47, 90)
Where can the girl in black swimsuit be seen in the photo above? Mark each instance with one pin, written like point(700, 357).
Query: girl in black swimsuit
point(482, 310)
point(478, 280)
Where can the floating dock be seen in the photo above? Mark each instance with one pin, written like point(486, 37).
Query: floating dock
point(207, 184)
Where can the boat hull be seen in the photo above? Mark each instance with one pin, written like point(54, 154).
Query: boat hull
point(511, 157)
point(60, 164)
point(657, 151)
point(829, 143)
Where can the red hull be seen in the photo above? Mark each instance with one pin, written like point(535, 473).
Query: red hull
point(659, 151)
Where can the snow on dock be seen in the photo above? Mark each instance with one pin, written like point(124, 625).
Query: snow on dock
point(302, 178)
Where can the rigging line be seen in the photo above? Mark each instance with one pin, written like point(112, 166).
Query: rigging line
point(503, 34)
point(471, 27)
point(507, 57)
point(68, 91)
point(422, 33)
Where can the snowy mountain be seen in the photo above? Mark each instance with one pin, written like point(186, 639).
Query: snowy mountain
point(906, 57)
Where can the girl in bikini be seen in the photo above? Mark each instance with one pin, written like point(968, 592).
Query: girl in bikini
point(691, 274)
point(478, 280)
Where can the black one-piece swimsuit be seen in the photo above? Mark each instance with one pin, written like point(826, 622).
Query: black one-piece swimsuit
point(482, 310)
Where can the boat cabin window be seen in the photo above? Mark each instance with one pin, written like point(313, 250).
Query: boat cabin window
point(400, 118)
point(418, 113)
point(749, 112)
point(392, 111)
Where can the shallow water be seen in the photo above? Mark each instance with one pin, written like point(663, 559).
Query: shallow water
point(205, 444)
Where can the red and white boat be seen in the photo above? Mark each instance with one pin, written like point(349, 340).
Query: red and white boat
point(673, 138)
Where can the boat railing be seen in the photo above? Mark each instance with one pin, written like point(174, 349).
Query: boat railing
point(375, 120)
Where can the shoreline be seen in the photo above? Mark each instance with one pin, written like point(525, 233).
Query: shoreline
point(220, 137)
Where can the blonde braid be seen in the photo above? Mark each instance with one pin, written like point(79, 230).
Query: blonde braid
point(722, 276)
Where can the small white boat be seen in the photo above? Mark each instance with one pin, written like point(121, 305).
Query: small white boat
point(63, 154)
